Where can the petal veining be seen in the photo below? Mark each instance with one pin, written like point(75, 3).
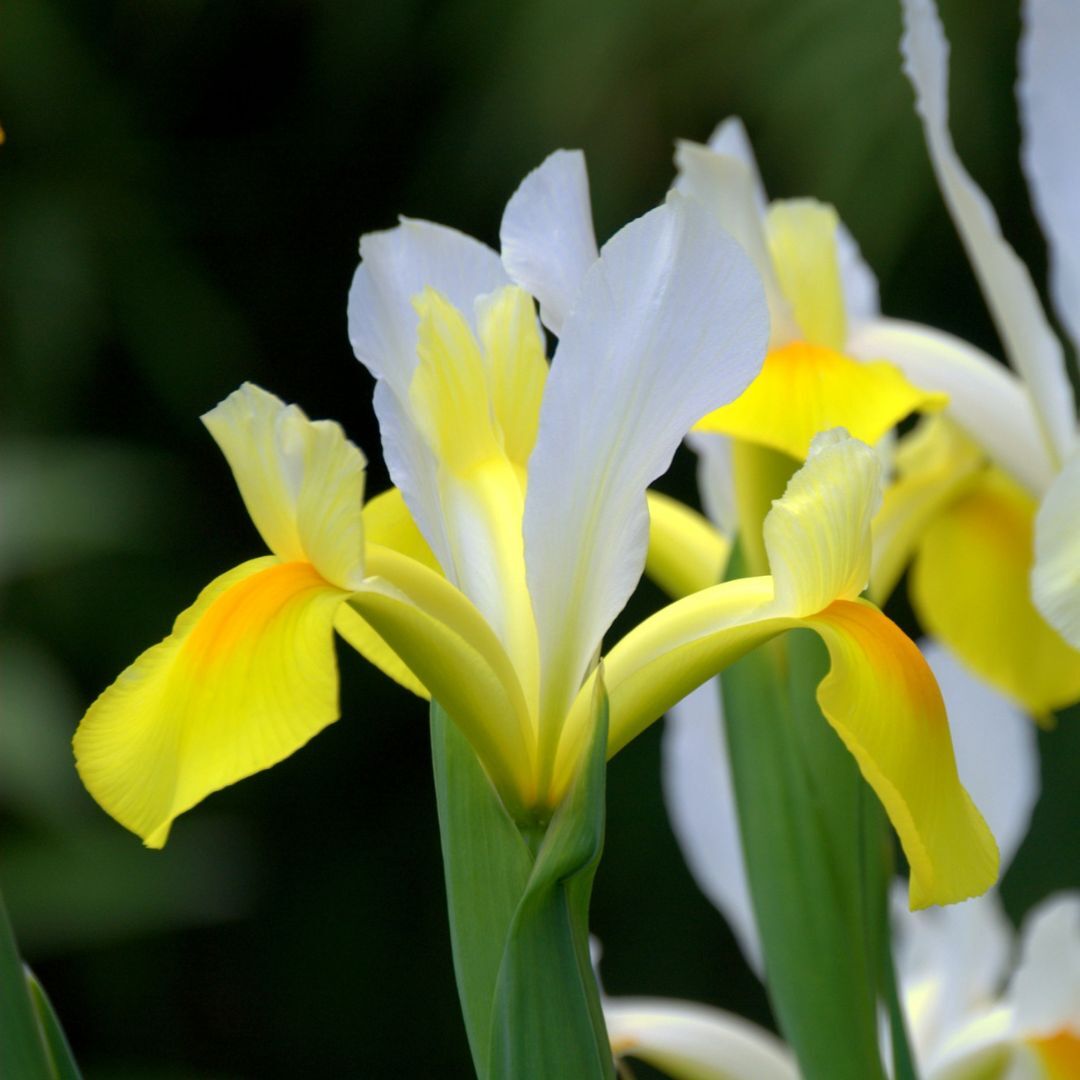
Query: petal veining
point(246, 677)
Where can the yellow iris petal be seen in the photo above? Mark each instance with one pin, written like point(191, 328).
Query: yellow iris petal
point(1059, 1054)
point(934, 464)
point(454, 652)
point(246, 677)
point(970, 588)
point(302, 481)
point(517, 364)
point(802, 242)
point(881, 699)
point(803, 389)
point(388, 522)
point(879, 696)
point(686, 551)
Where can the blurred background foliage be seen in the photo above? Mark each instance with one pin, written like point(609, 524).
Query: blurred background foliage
point(181, 193)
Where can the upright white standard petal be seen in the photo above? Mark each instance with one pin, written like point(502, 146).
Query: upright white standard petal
point(1055, 578)
point(950, 962)
point(731, 189)
point(1049, 89)
point(695, 1042)
point(670, 324)
point(716, 481)
point(731, 140)
point(547, 237)
point(997, 753)
point(1045, 991)
point(985, 398)
point(1029, 342)
point(701, 807)
point(397, 265)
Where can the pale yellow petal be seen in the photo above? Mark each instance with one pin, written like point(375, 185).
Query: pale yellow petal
point(517, 366)
point(803, 389)
point(934, 464)
point(970, 588)
point(455, 654)
point(302, 481)
point(246, 677)
point(802, 242)
point(388, 522)
point(818, 535)
point(686, 551)
point(449, 392)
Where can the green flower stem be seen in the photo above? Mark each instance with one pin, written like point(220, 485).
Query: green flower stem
point(809, 839)
point(518, 900)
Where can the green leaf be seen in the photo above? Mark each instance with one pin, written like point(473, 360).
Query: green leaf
point(32, 1045)
point(56, 1044)
point(548, 1019)
point(812, 838)
point(487, 865)
point(518, 898)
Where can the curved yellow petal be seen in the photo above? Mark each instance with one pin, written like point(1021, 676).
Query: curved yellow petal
point(934, 464)
point(246, 677)
point(881, 699)
point(455, 654)
point(686, 551)
point(802, 242)
point(803, 389)
point(389, 523)
point(970, 588)
point(302, 481)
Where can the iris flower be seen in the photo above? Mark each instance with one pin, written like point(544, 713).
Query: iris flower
point(999, 503)
point(974, 1004)
point(516, 531)
point(965, 482)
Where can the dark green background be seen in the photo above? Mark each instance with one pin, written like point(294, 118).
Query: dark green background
point(181, 193)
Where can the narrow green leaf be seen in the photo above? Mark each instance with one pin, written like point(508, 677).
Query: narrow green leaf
point(486, 864)
point(22, 1050)
point(56, 1044)
point(548, 1021)
point(801, 801)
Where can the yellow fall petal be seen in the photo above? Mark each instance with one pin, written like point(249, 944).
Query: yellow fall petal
point(803, 389)
point(302, 481)
point(881, 699)
point(880, 696)
point(247, 676)
point(970, 588)
point(1058, 1054)
point(935, 463)
point(686, 551)
point(802, 242)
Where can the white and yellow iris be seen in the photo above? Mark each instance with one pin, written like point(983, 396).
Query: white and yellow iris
point(961, 507)
point(517, 530)
point(995, 546)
